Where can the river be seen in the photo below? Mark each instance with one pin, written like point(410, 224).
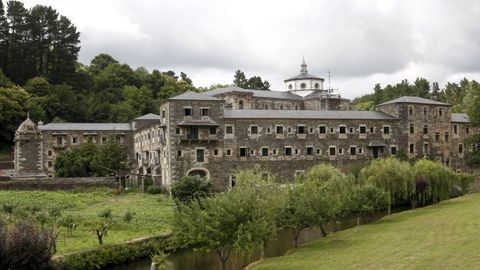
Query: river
point(187, 259)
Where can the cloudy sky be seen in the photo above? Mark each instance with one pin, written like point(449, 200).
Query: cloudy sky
point(360, 42)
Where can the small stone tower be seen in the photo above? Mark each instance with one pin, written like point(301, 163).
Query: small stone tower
point(28, 151)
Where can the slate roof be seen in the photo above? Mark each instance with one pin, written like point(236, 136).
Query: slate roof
point(302, 76)
point(190, 95)
point(410, 99)
point(149, 116)
point(306, 114)
point(86, 126)
point(256, 93)
point(460, 117)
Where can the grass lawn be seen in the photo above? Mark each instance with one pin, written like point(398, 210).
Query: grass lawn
point(441, 236)
point(152, 214)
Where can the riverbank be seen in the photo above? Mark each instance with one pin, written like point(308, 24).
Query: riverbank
point(133, 214)
point(440, 236)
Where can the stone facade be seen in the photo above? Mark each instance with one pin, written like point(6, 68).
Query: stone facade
point(217, 132)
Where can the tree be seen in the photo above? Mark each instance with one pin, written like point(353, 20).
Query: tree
point(78, 162)
point(438, 180)
point(366, 199)
point(393, 176)
point(112, 157)
point(38, 86)
point(13, 107)
point(191, 188)
point(254, 82)
point(101, 62)
point(238, 221)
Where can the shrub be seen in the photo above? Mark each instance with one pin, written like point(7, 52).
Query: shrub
point(25, 246)
point(128, 217)
point(190, 188)
point(464, 180)
point(154, 190)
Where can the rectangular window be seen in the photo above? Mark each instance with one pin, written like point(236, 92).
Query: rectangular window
point(342, 129)
point(322, 129)
point(279, 129)
point(243, 151)
point(215, 152)
point(200, 155)
point(179, 153)
point(301, 130)
point(50, 153)
point(455, 129)
point(412, 129)
point(229, 152)
point(467, 129)
point(228, 129)
point(104, 140)
point(163, 113)
point(363, 129)
point(319, 151)
point(393, 150)
point(187, 111)
point(332, 151)
point(59, 141)
point(386, 130)
point(213, 130)
point(437, 136)
point(74, 140)
point(440, 112)
point(353, 150)
point(351, 130)
point(372, 129)
point(412, 148)
point(425, 129)
point(332, 130)
point(425, 148)
point(50, 164)
point(264, 151)
point(177, 130)
point(309, 151)
point(205, 111)
point(254, 130)
point(340, 151)
point(447, 162)
point(288, 151)
point(460, 148)
point(425, 110)
point(446, 136)
point(410, 111)
point(360, 150)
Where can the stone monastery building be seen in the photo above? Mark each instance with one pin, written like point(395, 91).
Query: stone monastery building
point(215, 133)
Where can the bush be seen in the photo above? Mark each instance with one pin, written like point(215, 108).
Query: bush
point(25, 246)
point(464, 180)
point(190, 188)
point(154, 190)
point(128, 217)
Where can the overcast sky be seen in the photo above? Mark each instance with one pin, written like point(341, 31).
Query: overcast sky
point(360, 42)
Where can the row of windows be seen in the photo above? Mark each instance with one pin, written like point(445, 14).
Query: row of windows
point(188, 111)
point(438, 111)
point(286, 151)
point(426, 148)
point(60, 140)
point(425, 130)
point(147, 135)
point(322, 129)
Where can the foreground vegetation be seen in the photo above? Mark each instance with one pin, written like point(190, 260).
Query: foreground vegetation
point(440, 236)
point(75, 216)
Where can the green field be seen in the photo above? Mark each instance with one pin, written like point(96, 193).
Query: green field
point(152, 214)
point(442, 236)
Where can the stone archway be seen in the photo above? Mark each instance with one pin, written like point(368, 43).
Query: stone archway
point(200, 172)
